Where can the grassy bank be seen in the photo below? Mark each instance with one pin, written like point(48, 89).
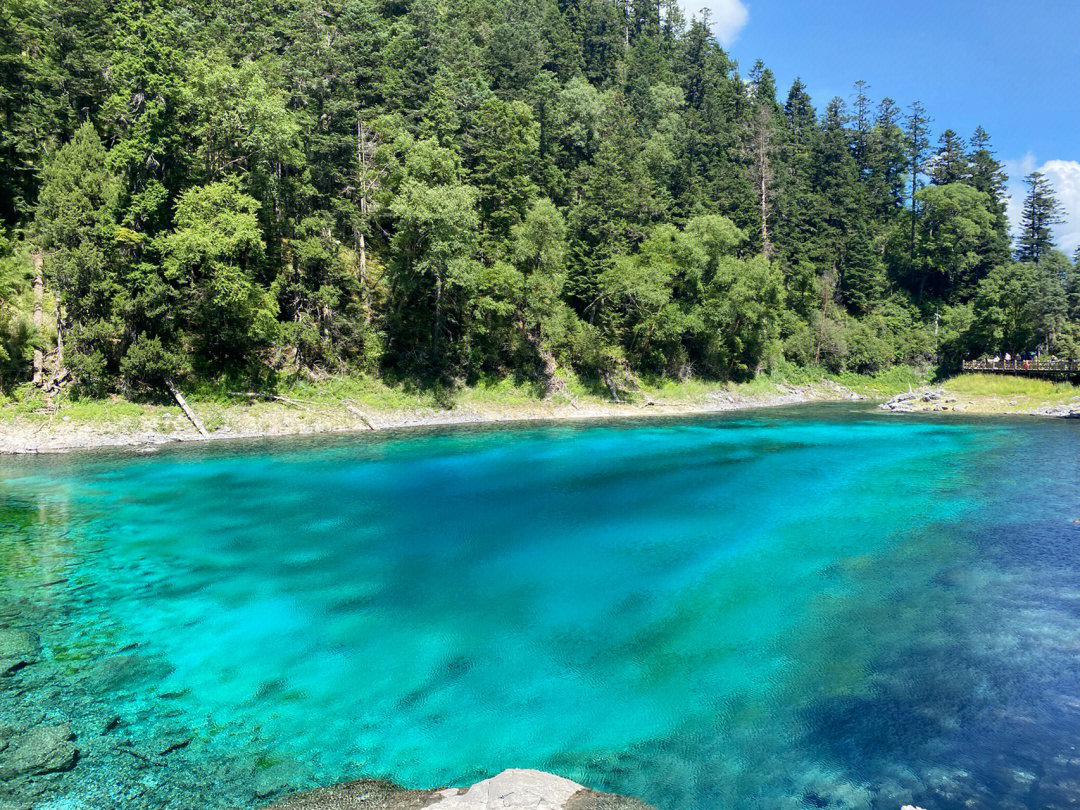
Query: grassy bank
point(216, 403)
point(1004, 394)
point(29, 423)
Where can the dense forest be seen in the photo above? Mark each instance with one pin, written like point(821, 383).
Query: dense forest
point(445, 189)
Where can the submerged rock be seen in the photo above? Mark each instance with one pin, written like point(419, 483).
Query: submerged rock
point(514, 789)
point(171, 741)
point(363, 794)
point(120, 672)
point(18, 648)
point(46, 749)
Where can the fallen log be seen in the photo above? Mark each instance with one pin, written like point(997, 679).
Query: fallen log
point(359, 414)
point(269, 397)
point(186, 408)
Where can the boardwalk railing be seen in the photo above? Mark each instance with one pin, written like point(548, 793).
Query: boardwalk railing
point(1036, 367)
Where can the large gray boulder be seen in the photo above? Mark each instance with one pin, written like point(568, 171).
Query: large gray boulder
point(514, 789)
point(17, 649)
point(45, 749)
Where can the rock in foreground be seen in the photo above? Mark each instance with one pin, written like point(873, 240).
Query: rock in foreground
point(514, 789)
point(17, 649)
point(47, 749)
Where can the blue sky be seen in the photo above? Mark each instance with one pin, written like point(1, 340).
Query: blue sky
point(1012, 67)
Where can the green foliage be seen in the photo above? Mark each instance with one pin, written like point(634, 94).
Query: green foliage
point(1004, 303)
point(435, 270)
point(957, 240)
point(75, 223)
point(473, 190)
point(213, 254)
point(17, 334)
point(1040, 213)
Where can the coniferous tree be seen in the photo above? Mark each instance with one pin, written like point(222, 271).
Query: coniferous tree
point(1040, 213)
point(75, 224)
point(887, 163)
point(918, 143)
point(950, 163)
point(986, 174)
point(862, 118)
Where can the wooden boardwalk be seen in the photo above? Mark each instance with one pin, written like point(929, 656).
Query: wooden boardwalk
point(1050, 369)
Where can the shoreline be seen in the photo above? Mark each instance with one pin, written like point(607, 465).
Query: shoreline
point(942, 400)
point(118, 424)
point(20, 435)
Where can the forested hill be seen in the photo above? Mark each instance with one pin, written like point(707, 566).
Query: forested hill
point(452, 188)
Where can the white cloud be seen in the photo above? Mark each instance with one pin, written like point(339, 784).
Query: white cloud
point(1064, 176)
point(727, 17)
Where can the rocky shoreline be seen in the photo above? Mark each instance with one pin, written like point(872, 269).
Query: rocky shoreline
point(19, 435)
point(514, 789)
point(941, 400)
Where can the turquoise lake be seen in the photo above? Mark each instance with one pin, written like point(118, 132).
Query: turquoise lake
point(821, 606)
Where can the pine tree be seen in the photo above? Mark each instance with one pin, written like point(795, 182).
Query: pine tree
point(796, 202)
point(1041, 212)
point(75, 225)
point(887, 164)
point(918, 142)
point(759, 148)
point(950, 163)
point(864, 123)
point(986, 174)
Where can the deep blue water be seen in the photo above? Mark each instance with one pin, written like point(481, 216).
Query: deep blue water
point(810, 607)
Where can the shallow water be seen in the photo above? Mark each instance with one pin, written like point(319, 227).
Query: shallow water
point(812, 607)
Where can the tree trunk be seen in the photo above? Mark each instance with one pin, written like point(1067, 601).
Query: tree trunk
point(363, 264)
point(821, 325)
point(553, 384)
point(436, 326)
point(610, 385)
point(359, 415)
point(766, 248)
point(39, 317)
point(185, 407)
point(59, 339)
point(366, 184)
point(363, 276)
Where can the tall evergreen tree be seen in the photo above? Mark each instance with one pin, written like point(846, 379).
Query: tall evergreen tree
point(950, 163)
point(986, 174)
point(918, 142)
point(1040, 213)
